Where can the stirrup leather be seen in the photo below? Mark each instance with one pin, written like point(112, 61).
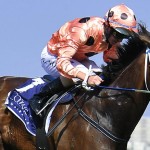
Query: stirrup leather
point(49, 102)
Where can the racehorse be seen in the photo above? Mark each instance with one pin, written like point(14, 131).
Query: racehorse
point(102, 119)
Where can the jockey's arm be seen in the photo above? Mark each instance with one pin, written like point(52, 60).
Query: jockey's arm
point(68, 70)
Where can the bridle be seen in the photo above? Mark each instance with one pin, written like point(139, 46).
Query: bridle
point(147, 60)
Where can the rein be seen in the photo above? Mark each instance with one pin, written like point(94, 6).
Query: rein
point(147, 59)
point(95, 124)
point(66, 113)
point(124, 89)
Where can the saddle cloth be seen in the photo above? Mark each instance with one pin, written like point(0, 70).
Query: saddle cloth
point(17, 102)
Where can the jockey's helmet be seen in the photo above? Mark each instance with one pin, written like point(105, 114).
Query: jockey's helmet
point(122, 19)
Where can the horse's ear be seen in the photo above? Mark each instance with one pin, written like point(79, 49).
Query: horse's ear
point(142, 29)
point(144, 34)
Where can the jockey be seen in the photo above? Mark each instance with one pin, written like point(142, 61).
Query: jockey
point(66, 54)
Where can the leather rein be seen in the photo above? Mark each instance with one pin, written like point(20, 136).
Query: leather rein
point(95, 124)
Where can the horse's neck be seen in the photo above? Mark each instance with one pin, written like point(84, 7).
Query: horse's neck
point(133, 75)
point(124, 109)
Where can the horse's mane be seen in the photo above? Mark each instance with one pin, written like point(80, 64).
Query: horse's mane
point(134, 46)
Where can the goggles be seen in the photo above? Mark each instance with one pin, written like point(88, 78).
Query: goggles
point(118, 35)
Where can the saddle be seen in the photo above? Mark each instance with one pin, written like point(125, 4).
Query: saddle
point(18, 99)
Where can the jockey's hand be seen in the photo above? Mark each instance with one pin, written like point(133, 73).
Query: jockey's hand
point(94, 80)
